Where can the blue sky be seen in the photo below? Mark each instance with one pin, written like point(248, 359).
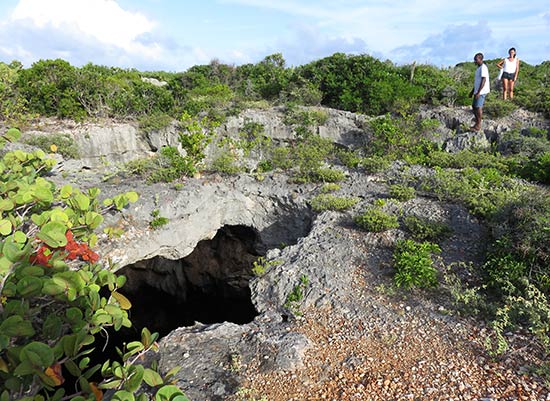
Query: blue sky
point(175, 35)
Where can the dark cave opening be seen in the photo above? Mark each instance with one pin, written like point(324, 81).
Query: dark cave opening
point(210, 285)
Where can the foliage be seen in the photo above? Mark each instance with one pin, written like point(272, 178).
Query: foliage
point(497, 107)
point(158, 220)
point(295, 297)
point(226, 163)
point(402, 192)
point(349, 158)
point(150, 123)
point(324, 202)
point(413, 264)
point(375, 164)
point(424, 229)
point(62, 143)
point(376, 220)
point(330, 187)
point(54, 295)
point(260, 266)
point(327, 175)
point(485, 191)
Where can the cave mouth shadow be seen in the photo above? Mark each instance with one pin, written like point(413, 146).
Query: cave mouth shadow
point(210, 285)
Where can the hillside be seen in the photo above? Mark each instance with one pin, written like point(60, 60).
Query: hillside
point(283, 249)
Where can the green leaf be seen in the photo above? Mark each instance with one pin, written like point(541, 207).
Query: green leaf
point(6, 205)
point(132, 196)
point(53, 234)
point(16, 326)
point(5, 227)
point(73, 368)
point(29, 286)
point(20, 237)
point(51, 329)
point(24, 368)
point(93, 219)
point(12, 135)
point(82, 202)
point(152, 378)
point(42, 194)
point(168, 393)
point(14, 251)
point(66, 191)
point(135, 378)
point(39, 354)
point(122, 395)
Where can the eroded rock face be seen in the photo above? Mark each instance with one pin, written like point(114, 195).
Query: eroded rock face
point(110, 143)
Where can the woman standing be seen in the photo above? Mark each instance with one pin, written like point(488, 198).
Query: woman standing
point(510, 70)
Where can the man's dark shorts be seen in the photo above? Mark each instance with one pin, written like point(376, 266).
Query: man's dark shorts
point(479, 101)
point(508, 75)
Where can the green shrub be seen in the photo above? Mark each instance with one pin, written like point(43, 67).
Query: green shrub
point(64, 144)
point(260, 266)
point(330, 187)
point(375, 164)
point(328, 175)
point(402, 192)
point(55, 296)
point(324, 202)
point(154, 122)
point(295, 297)
point(349, 158)
point(280, 158)
point(496, 107)
point(226, 163)
point(413, 264)
point(158, 220)
point(424, 229)
point(376, 220)
point(537, 169)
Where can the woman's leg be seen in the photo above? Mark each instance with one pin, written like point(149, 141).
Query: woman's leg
point(505, 84)
point(511, 88)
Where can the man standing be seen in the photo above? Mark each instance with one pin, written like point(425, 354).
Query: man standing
point(480, 90)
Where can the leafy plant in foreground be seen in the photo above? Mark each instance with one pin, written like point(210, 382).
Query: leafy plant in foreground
point(54, 297)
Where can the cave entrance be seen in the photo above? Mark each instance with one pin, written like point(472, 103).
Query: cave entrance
point(210, 285)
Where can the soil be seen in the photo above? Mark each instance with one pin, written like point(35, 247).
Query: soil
point(402, 347)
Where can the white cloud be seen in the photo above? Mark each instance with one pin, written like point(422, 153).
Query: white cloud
point(98, 31)
point(102, 20)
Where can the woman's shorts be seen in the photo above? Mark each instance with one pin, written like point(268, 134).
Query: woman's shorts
point(508, 75)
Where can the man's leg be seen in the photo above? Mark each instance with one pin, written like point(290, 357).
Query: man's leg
point(477, 117)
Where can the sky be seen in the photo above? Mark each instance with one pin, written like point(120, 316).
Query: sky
point(152, 35)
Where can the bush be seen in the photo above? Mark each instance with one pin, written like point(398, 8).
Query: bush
point(402, 192)
point(349, 158)
point(155, 122)
point(330, 187)
point(324, 202)
point(424, 229)
point(64, 144)
point(376, 220)
point(413, 264)
point(496, 107)
point(55, 296)
point(226, 163)
point(328, 175)
point(375, 164)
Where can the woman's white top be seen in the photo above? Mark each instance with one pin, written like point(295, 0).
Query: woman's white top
point(510, 66)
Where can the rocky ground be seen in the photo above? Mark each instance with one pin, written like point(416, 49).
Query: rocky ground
point(352, 335)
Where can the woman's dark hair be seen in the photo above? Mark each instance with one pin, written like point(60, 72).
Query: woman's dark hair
point(514, 49)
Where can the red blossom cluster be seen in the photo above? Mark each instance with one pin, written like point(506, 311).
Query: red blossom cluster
point(72, 251)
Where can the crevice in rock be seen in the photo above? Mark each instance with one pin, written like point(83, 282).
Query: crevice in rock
point(210, 285)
